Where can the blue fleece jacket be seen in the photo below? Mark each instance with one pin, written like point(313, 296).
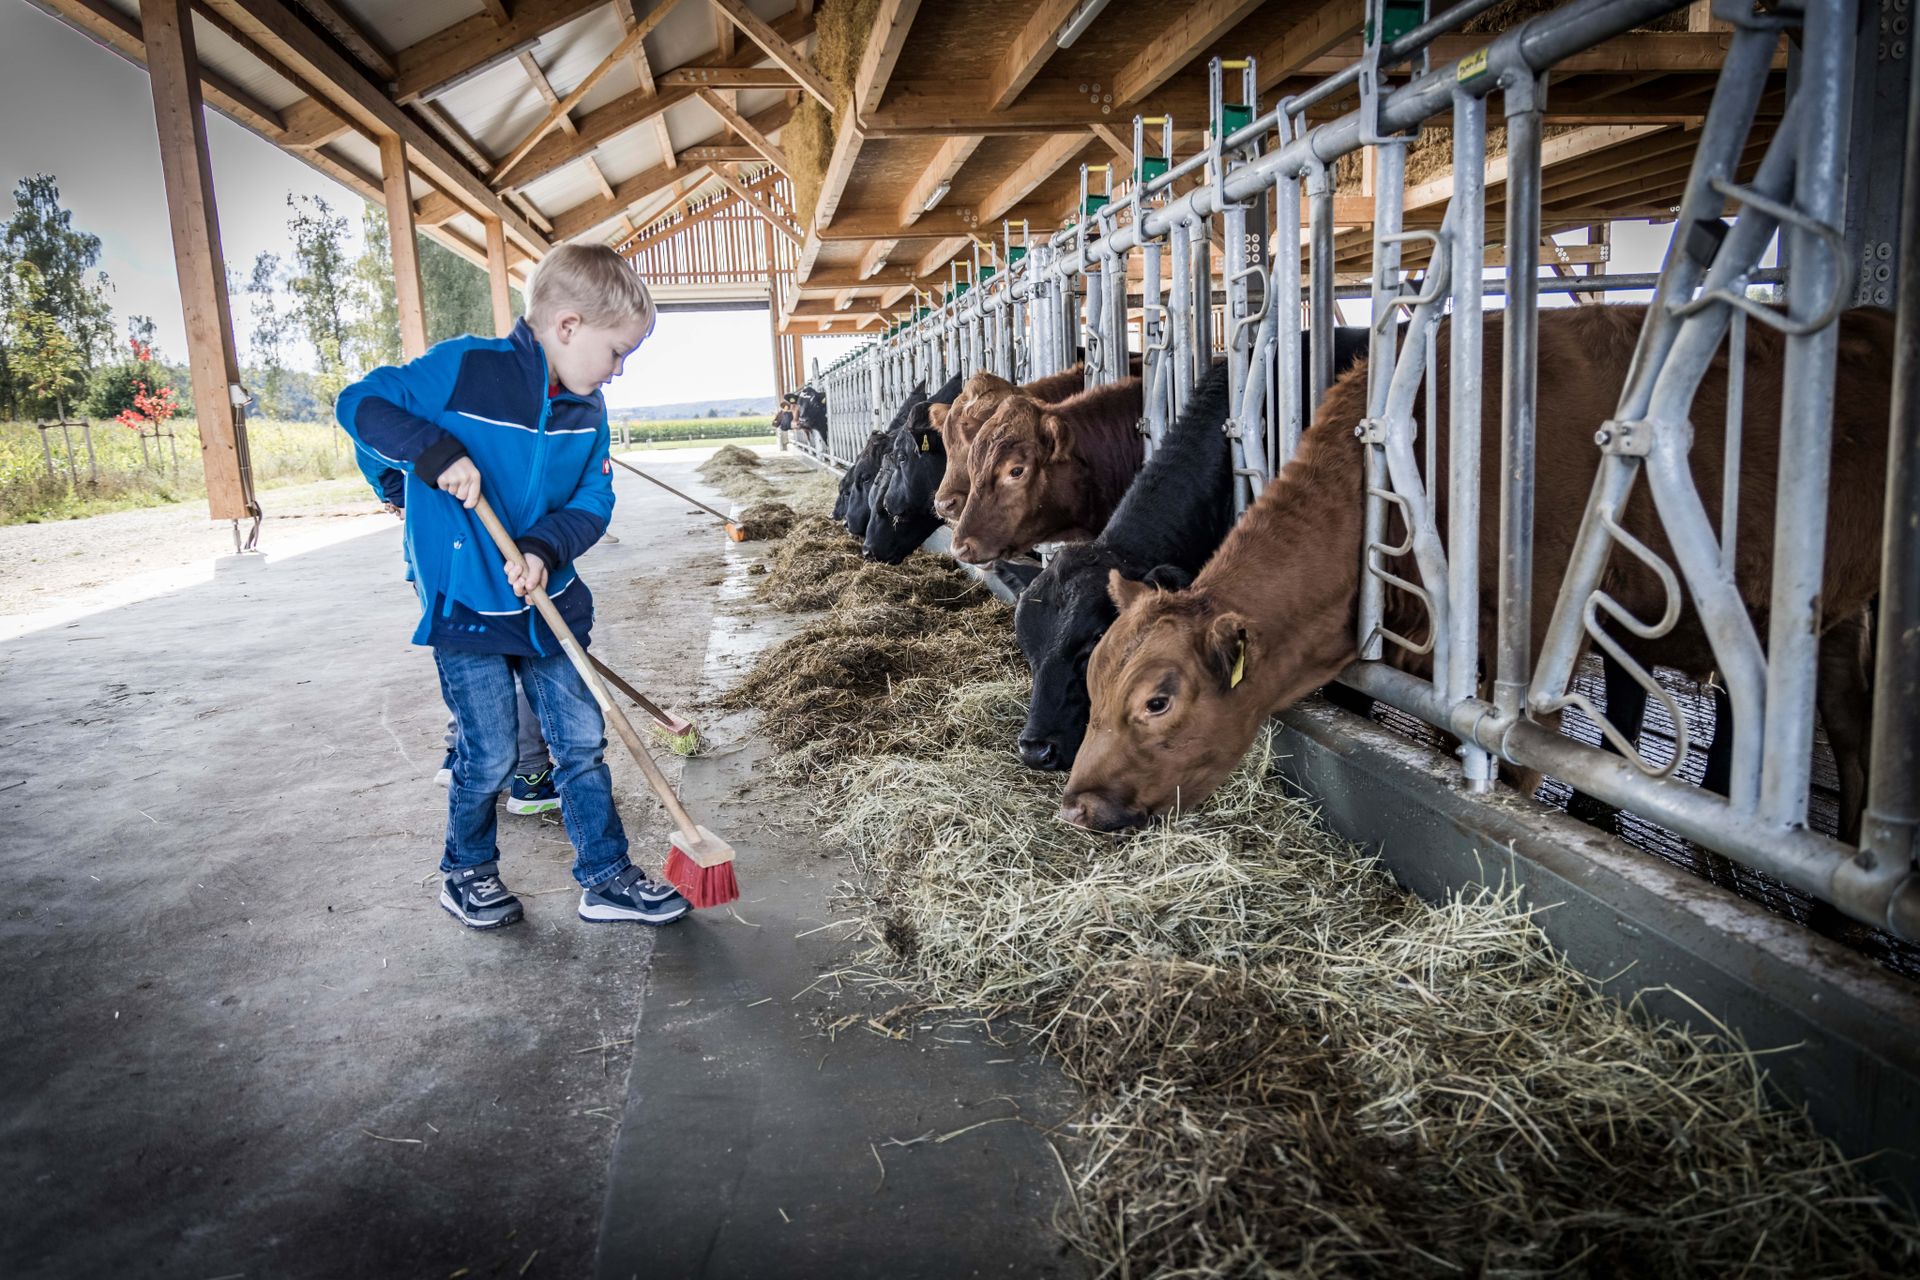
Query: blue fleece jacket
point(546, 470)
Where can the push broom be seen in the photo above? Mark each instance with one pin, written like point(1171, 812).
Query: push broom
point(734, 531)
point(700, 865)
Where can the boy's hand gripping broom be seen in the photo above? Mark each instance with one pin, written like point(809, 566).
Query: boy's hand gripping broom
point(701, 863)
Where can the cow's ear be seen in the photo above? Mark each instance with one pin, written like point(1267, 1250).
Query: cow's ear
point(937, 416)
point(1124, 591)
point(1053, 437)
point(1169, 577)
point(1229, 651)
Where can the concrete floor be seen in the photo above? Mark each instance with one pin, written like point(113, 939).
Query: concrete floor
point(241, 1037)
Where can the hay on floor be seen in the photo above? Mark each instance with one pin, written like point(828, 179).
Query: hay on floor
point(766, 520)
point(1290, 1065)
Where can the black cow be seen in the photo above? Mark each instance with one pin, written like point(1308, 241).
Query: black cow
point(1168, 525)
point(856, 486)
point(914, 460)
point(810, 416)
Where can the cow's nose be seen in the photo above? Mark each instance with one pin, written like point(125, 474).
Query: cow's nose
point(947, 509)
point(1096, 812)
point(1038, 753)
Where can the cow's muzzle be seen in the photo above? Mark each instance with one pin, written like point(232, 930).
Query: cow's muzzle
point(1044, 753)
point(1096, 812)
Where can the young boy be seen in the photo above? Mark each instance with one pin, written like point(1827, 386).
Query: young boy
point(522, 417)
point(531, 789)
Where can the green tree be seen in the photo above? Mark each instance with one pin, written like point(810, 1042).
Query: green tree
point(267, 335)
point(375, 330)
point(459, 299)
point(320, 283)
point(41, 355)
point(67, 289)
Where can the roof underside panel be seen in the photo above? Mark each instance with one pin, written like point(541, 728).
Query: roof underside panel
point(396, 24)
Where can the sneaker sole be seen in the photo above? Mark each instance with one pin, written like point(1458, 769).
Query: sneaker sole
point(452, 908)
point(524, 807)
point(593, 914)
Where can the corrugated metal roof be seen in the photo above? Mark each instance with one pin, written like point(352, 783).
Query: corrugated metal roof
point(399, 23)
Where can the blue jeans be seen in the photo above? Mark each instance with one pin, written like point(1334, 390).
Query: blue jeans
point(533, 747)
point(479, 687)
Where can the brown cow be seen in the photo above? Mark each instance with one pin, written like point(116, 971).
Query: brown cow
point(1042, 473)
point(1183, 680)
point(971, 409)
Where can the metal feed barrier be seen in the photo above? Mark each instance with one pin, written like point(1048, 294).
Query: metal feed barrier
point(1035, 305)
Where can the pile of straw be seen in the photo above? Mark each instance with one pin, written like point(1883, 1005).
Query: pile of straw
point(763, 521)
point(1290, 1064)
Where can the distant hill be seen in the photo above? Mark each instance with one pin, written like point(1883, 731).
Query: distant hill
point(742, 407)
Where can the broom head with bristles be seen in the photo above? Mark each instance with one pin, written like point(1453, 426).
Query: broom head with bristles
point(701, 868)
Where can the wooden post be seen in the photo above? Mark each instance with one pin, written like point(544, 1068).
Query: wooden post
point(173, 66)
point(406, 248)
point(773, 312)
point(497, 277)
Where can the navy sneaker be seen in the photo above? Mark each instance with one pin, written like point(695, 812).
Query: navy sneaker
point(632, 896)
point(445, 776)
point(533, 793)
point(475, 897)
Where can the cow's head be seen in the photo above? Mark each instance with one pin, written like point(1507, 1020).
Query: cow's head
point(811, 412)
point(1024, 481)
point(970, 410)
point(858, 484)
point(903, 488)
point(1172, 706)
point(1059, 619)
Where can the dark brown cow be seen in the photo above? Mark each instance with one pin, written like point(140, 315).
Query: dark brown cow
point(1183, 680)
point(1044, 473)
point(971, 409)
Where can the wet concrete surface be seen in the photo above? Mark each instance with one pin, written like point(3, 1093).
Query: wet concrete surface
point(780, 1123)
point(241, 1038)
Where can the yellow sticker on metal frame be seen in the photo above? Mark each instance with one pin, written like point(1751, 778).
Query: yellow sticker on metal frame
point(1474, 64)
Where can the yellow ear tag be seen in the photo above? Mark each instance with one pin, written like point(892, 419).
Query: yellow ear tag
point(923, 444)
point(1239, 666)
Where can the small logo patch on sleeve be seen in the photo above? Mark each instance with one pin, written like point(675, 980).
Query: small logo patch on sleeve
point(606, 465)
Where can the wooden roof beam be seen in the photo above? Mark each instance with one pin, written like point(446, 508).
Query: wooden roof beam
point(777, 48)
point(328, 72)
point(356, 39)
point(105, 25)
point(472, 45)
point(1657, 51)
point(941, 171)
point(758, 204)
point(1029, 52)
point(544, 86)
point(1198, 25)
point(1030, 173)
point(730, 77)
point(745, 128)
point(558, 111)
point(639, 108)
point(716, 155)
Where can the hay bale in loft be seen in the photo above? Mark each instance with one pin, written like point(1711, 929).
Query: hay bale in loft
point(843, 27)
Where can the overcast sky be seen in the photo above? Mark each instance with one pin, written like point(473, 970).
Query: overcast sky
point(91, 115)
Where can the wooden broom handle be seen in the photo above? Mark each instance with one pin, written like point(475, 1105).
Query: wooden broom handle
point(608, 708)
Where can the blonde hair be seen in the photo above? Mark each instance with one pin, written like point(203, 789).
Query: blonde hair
point(592, 280)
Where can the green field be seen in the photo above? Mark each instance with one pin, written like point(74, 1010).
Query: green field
point(284, 453)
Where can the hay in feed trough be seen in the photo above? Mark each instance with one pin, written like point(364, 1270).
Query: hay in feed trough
point(1291, 1066)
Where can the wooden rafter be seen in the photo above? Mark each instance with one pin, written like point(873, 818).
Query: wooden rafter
point(1198, 25)
point(324, 70)
point(636, 109)
point(1029, 52)
point(730, 77)
point(107, 26)
point(746, 129)
point(600, 179)
point(558, 111)
point(758, 203)
point(1653, 51)
point(472, 45)
point(708, 154)
point(590, 213)
point(544, 87)
point(777, 48)
point(356, 39)
point(946, 163)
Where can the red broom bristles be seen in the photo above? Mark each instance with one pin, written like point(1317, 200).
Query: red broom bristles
point(713, 886)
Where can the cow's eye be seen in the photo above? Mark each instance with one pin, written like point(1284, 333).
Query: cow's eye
point(1016, 473)
point(1157, 704)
